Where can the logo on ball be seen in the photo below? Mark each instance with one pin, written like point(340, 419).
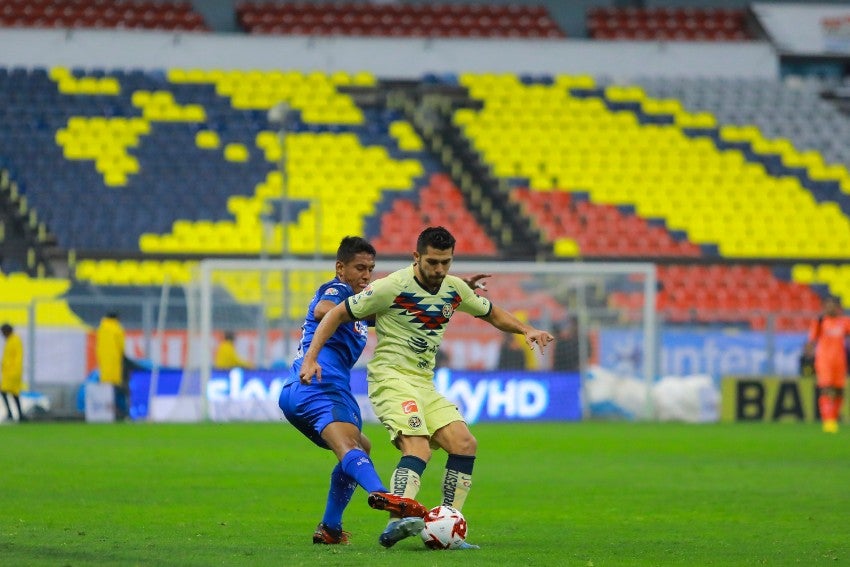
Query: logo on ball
point(445, 528)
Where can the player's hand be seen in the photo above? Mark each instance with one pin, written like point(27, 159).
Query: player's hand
point(538, 337)
point(474, 282)
point(308, 370)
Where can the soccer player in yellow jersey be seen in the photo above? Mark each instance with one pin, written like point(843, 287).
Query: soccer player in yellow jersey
point(412, 307)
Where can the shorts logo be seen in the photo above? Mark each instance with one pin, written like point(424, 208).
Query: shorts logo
point(409, 406)
point(448, 310)
point(414, 422)
point(362, 328)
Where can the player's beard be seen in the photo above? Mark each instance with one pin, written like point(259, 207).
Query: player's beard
point(434, 282)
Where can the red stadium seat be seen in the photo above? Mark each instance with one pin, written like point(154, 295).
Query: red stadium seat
point(412, 20)
point(666, 23)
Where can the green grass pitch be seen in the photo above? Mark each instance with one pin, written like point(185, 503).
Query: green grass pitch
point(584, 494)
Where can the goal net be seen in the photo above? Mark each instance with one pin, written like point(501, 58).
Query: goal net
point(602, 313)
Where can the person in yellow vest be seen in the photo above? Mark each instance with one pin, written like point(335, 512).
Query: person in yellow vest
point(12, 370)
point(109, 348)
point(226, 355)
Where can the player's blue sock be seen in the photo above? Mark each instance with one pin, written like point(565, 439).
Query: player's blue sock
point(339, 495)
point(357, 464)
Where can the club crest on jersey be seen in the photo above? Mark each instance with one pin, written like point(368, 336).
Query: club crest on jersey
point(448, 310)
point(332, 291)
point(409, 406)
point(414, 422)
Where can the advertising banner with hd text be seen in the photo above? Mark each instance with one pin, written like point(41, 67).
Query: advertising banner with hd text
point(252, 395)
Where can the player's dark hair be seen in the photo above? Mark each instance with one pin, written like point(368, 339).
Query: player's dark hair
point(6, 329)
point(437, 238)
point(351, 246)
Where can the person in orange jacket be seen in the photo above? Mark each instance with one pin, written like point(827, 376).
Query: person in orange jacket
point(828, 337)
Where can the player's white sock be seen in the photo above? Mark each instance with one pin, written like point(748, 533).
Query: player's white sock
point(405, 482)
point(456, 487)
point(457, 480)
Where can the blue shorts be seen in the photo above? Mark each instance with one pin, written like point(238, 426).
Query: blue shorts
point(311, 408)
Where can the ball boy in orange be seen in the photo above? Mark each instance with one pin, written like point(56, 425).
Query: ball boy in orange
point(828, 336)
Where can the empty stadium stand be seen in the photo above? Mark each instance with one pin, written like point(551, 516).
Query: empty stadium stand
point(397, 19)
point(575, 225)
point(131, 142)
point(440, 203)
point(745, 213)
point(174, 15)
point(624, 148)
point(667, 23)
point(727, 293)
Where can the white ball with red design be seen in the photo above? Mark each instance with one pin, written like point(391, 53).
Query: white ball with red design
point(445, 528)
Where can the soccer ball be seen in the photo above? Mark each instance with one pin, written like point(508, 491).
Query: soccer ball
point(445, 528)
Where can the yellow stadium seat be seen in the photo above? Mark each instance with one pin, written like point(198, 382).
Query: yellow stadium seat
point(236, 152)
point(207, 139)
point(566, 248)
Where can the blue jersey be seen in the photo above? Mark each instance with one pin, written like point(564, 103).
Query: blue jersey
point(345, 346)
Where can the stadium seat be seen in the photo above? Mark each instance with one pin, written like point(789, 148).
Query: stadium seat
point(164, 15)
point(45, 295)
point(661, 23)
point(405, 20)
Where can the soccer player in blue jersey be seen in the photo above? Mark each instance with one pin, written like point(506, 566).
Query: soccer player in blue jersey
point(325, 410)
point(412, 308)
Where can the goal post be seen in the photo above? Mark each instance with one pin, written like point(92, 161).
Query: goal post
point(264, 301)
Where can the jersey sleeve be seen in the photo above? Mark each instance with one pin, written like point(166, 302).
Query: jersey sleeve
point(470, 302)
point(377, 296)
point(335, 293)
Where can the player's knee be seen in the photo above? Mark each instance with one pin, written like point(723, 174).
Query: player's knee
point(462, 445)
point(467, 445)
point(365, 444)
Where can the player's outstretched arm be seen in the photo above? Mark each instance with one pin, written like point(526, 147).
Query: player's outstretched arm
point(330, 323)
point(506, 321)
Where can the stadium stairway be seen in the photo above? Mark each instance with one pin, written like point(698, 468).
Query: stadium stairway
point(429, 107)
point(26, 245)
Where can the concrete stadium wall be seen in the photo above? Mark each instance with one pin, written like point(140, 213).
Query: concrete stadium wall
point(386, 57)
